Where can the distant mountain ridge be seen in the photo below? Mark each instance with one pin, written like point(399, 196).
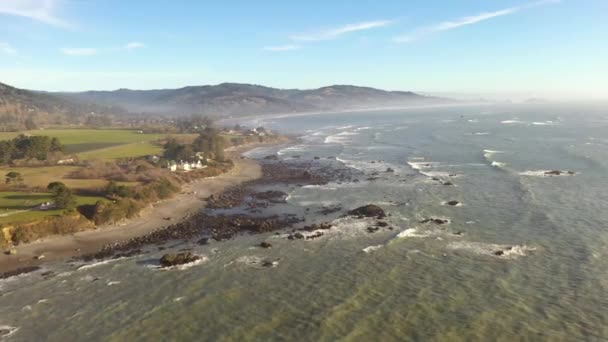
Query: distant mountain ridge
point(19, 105)
point(236, 99)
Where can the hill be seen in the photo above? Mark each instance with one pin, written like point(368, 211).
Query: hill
point(235, 99)
point(24, 109)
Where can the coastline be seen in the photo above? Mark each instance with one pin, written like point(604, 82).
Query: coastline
point(190, 200)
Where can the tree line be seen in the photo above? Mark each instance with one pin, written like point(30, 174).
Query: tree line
point(28, 147)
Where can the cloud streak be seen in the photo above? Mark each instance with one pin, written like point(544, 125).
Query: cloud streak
point(468, 20)
point(79, 51)
point(279, 48)
point(335, 33)
point(39, 10)
point(87, 51)
point(134, 45)
point(7, 49)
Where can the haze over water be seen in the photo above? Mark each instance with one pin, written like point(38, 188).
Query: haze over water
point(419, 281)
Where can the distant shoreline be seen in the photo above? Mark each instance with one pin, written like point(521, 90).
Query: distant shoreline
point(229, 121)
point(190, 200)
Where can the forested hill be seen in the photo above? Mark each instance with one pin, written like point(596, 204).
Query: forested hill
point(24, 109)
point(235, 99)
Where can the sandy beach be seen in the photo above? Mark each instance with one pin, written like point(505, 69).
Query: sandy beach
point(190, 200)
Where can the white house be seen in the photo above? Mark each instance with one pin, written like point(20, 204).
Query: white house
point(184, 166)
point(173, 167)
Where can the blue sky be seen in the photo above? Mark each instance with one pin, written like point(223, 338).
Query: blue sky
point(542, 48)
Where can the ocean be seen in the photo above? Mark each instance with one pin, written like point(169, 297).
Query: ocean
point(522, 253)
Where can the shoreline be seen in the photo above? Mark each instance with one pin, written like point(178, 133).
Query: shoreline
point(191, 199)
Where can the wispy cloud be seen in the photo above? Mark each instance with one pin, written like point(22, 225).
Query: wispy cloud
point(468, 20)
point(79, 51)
point(88, 51)
point(334, 33)
point(6, 48)
point(282, 48)
point(39, 10)
point(133, 45)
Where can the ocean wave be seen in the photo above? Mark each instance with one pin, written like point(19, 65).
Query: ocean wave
point(202, 259)
point(480, 133)
point(491, 249)
point(548, 173)
point(370, 249)
point(336, 139)
point(412, 233)
point(346, 127)
point(7, 331)
point(99, 263)
point(512, 122)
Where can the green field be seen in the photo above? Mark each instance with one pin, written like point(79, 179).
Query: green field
point(15, 206)
point(122, 151)
point(42, 176)
point(83, 140)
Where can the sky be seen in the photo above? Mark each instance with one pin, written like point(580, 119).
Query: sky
point(542, 48)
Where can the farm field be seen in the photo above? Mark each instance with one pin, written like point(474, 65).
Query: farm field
point(42, 176)
point(82, 140)
point(16, 206)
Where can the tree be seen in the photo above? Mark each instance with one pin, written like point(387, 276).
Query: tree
point(62, 195)
point(13, 177)
point(30, 124)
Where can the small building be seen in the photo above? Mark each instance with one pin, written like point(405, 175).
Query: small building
point(184, 166)
point(66, 161)
point(172, 166)
point(153, 158)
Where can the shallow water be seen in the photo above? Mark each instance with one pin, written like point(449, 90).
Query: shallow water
point(416, 282)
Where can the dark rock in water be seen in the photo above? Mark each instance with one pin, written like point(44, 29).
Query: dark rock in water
point(452, 203)
point(314, 236)
point(330, 210)
point(436, 179)
point(499, 253)
point(381, 224)
point(331, 157)
point(390, 170)
point(558, 173)
point(268, 263)
point(271, 195)
point(372, 229)
point(316, 158)
point(448, 183)
point(435, 221)
point(272, 157)
point(458, 233)
point(355, 180)
point(169, 260)
point(317, 226)
point(372, 178)
point(203, 241)
point(265, 244)
point(295, 236)
point(369, 210)
point(22, 270)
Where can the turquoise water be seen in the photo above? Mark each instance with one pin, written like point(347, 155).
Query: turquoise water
point(416, 282)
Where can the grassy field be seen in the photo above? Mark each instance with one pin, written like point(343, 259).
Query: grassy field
point(122, 151)
point(42, 176)
point(82, 140)
point(15, 206)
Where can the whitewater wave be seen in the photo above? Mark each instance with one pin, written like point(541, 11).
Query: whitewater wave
point(511, 122)
point(548, 173)
point(202, 259)
point(491, 249)
point(99, 263)
point(370, 249)
point(7, 331)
